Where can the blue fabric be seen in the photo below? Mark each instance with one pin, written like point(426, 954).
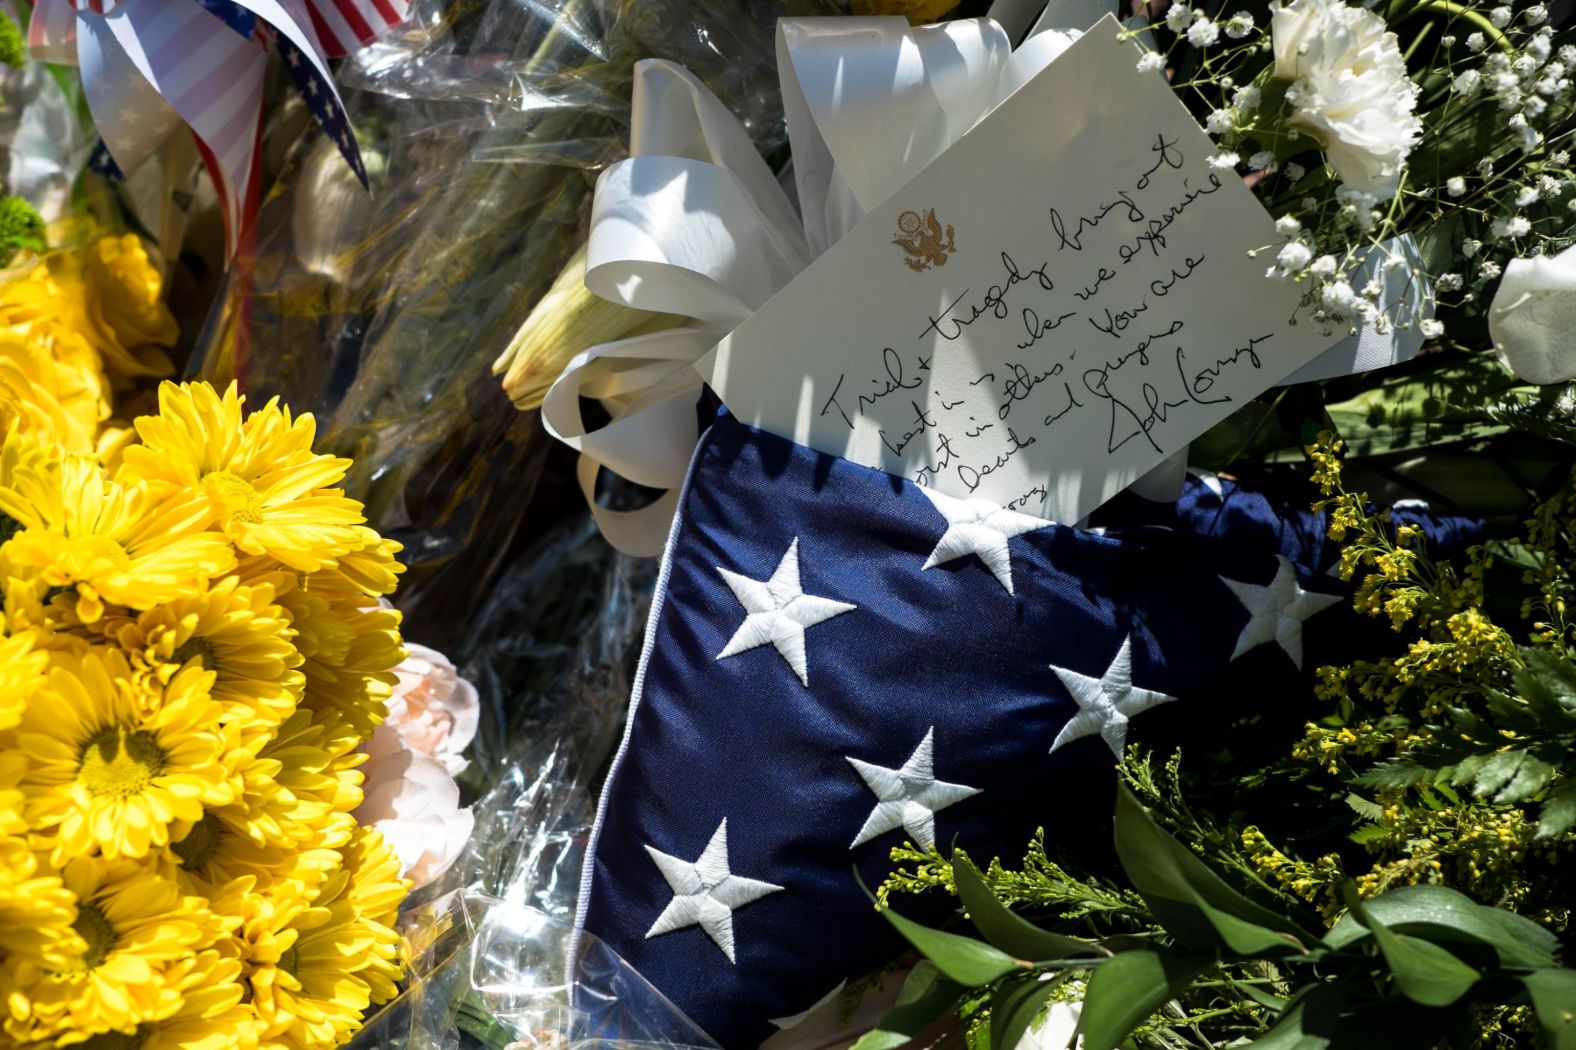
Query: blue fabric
point(949, 648)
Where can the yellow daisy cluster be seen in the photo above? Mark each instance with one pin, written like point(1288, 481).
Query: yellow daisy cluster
point(192, 646)
point(76, 325)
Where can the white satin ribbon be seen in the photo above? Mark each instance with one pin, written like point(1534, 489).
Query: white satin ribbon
point(694, 223)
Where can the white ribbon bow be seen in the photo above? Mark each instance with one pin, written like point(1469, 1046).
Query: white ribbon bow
point(694, 223)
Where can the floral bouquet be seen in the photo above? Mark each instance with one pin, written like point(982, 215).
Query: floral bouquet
point(193, 654)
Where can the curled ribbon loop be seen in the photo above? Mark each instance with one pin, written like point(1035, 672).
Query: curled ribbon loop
point(695, 224)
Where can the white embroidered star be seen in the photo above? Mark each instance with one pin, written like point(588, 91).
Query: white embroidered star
point(1277, 610)
point(779, 611)
point(293, 57)
point(979, 527)
point(1107, 703)
point(706, 893)
point(311, 86)
point(908, 797)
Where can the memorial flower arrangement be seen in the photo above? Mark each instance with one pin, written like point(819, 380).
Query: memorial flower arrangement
point(1358, 124)
point(1402, 868)
point(192, 652)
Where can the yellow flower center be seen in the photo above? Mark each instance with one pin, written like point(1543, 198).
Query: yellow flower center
point(198, 646)
point(119, 762)
point(236, 495)
point(94, 928)
point(199, 843)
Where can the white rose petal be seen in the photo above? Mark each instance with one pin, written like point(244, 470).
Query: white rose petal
point(413, 802)
point(1532, 316)
point(1352, 92)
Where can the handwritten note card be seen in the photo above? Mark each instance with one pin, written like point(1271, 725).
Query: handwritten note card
point(1052, 307)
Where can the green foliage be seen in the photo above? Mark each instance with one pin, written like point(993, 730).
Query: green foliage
point(20, 227)
point(1420, 964)
point(13, 48)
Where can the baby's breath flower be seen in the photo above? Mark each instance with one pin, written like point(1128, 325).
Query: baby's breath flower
point(1295, 172)
point(1288, 226)
point(1515, 226)
point(1203, 32)
point(1499, 18)
point(1263, 160)
point(1477, 42)
point(1432, 329)
point(1467, 82)
point(1489, 270)
point(1537, 14)
point(1469, 247)
point(1151, 62)
point(1448, 282)
point(1338, 298)
point(1293, 257)
point(1246, 99)
point(1225, 161)
point(1455, 186)
point(1526, 195)
point(1239, 25)
point(1178, 17)
point(1448, 40)
point(1323, 266)
point(1219, 122)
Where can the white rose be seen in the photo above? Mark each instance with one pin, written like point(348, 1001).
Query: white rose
point(1353, 94)
point(1532, 316)
point(434, 709)
point(413, 802)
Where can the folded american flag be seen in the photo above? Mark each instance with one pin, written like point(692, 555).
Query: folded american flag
point(838, 661)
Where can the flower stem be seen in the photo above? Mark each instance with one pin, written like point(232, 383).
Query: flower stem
point(1450, 7)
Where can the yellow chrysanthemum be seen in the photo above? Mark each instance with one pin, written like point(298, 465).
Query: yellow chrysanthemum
point(315, 966)
point(106, 541)
point(351, 645)
point(290, 818)
point(133, 924)
point(107, 293)
point(52, 387)
point(113, 763)
point(206, 1011)
point(36, 909)
point(21, 674)
point(236, 632)
point(270, 492)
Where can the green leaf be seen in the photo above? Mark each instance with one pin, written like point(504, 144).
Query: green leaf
point(1363, 807)
point(1012, 1013)
point(1309, 1020)
point(1559, 810)
point(1005, 928)
point(1553, 995)
point(1128, 988)
point(1425, 972)
point(970, 962)
point(1165, 872)
point(1443, 914)
point(925, 998)
point(1557, 672)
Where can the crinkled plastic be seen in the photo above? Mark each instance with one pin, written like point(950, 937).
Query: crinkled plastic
point(491, 973)
point(483, 124)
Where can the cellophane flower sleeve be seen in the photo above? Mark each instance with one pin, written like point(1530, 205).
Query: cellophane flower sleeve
point(484, 124)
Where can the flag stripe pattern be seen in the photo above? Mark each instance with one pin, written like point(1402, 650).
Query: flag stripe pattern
point(838, 662)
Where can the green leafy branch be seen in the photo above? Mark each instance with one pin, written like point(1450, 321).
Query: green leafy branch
point(1411, 964)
